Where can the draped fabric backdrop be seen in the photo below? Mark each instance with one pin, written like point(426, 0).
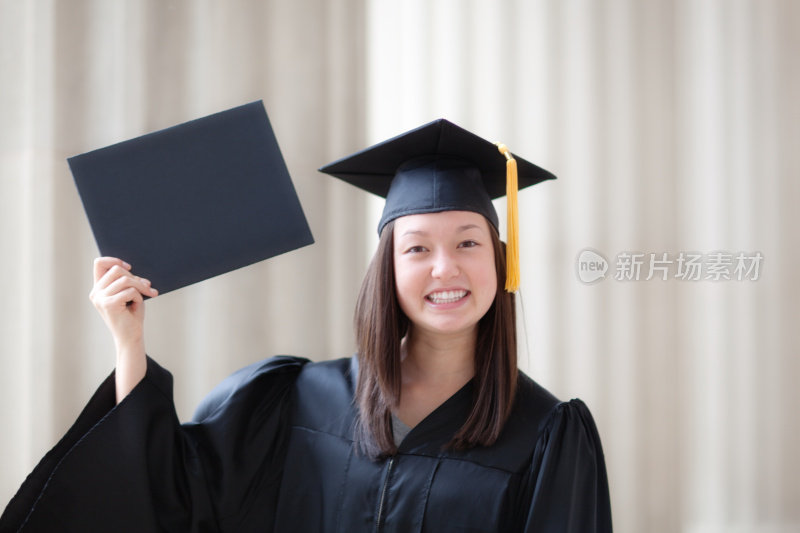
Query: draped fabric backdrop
point(79, 75)
point(673, 126)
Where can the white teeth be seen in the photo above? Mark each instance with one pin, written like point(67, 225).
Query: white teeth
point(446, 297)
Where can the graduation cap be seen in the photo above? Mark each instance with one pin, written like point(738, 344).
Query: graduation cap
point(442, 167)
point(195, 200)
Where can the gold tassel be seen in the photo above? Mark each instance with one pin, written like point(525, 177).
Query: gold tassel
point(512, 246)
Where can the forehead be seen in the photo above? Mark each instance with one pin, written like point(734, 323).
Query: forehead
point(443, 222)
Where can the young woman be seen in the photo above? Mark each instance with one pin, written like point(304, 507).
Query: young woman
point(430, 427)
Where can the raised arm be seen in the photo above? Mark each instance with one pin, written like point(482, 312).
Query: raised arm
point(118, 295)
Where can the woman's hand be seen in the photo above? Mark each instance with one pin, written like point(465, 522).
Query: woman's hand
point(118, 295)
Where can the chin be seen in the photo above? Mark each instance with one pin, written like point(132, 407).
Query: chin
point(447, 328)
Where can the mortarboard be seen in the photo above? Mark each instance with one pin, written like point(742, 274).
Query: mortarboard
point(195, 200)
point(442, 167)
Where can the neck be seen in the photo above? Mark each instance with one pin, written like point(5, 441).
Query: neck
point(444, 360)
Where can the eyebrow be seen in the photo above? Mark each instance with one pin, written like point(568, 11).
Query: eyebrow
point(460, 229)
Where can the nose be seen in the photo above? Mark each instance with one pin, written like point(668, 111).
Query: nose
point(444, 266)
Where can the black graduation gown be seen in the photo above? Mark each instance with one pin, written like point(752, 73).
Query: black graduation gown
point(270, 450)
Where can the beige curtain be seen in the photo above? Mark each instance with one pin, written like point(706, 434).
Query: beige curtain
point(79, 75)
point(672, 125)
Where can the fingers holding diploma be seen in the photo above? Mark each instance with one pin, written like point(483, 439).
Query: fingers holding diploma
point(118, 295)
point(115, 285)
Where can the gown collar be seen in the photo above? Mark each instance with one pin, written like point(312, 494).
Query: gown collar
point(430, 436)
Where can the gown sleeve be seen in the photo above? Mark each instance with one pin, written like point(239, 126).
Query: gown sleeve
point(134, 467)
point(568, 475)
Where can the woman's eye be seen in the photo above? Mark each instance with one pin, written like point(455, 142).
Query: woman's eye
point(415, 250)
point(468, 244)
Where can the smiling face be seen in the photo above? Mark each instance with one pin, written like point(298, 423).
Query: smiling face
point(444, 269)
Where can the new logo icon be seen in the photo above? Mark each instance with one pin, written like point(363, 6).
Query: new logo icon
point(592, 266)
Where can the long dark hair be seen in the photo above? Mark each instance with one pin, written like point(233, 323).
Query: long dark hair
point(380, 326)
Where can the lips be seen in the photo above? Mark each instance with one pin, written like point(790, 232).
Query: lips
point(446, 297)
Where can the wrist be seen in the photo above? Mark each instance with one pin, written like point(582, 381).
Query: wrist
point(130, 369)
point(131, 350)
